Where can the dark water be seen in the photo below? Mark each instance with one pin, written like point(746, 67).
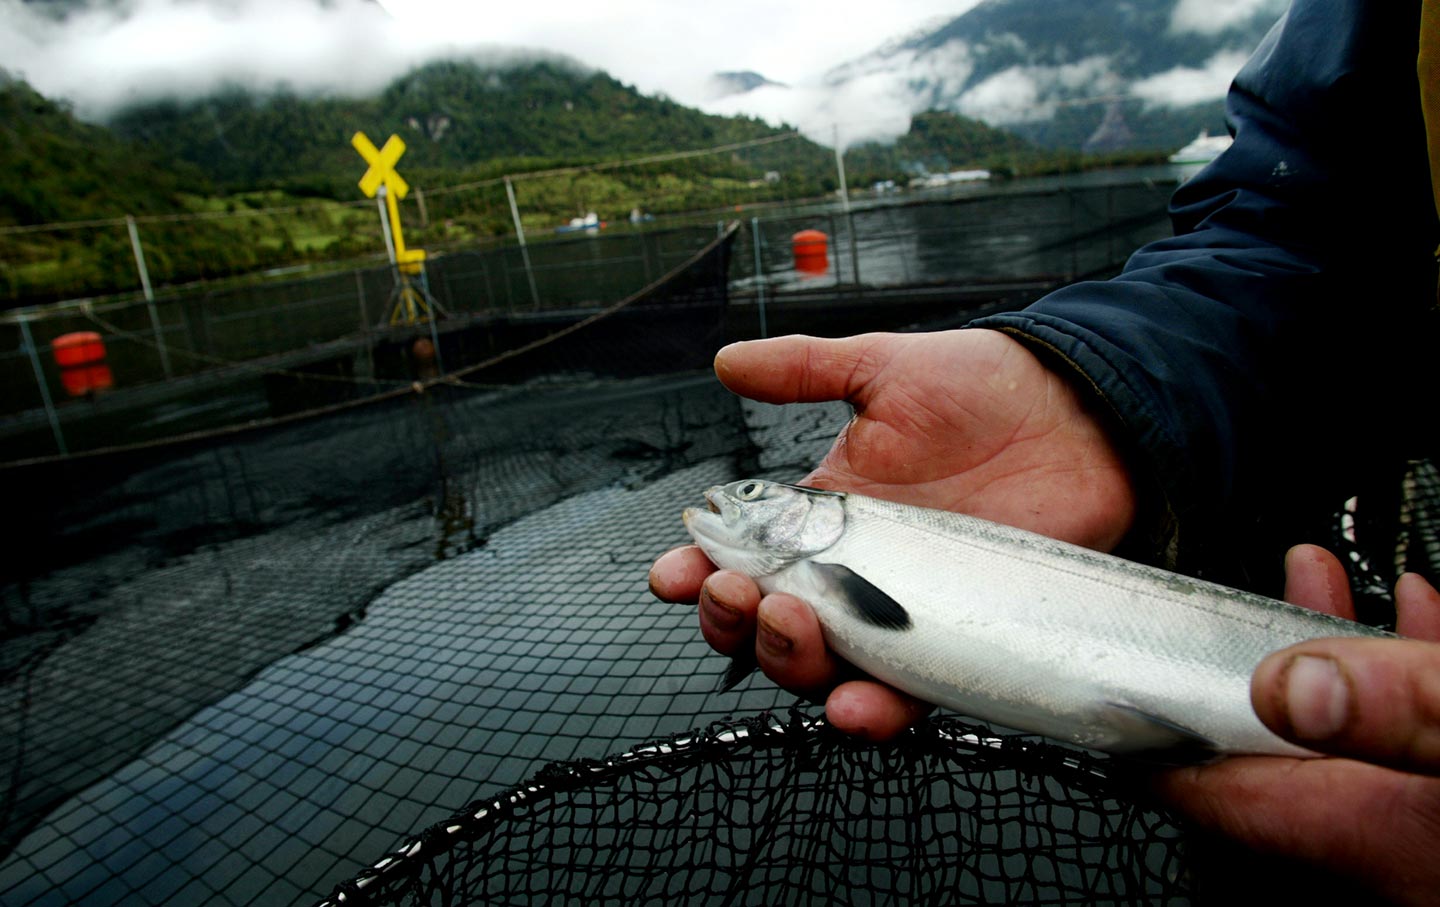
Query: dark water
point(237, 671)
point(153, 682)
point(219, 742)
point(1054, 228)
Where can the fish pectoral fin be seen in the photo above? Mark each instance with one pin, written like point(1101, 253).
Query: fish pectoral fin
point(742, 665)
point(870, 603)
point(1150, 738)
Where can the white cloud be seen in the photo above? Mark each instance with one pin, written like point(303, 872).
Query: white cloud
point(1183, 86)
point(1009, 96)
point(869, 99)
point(102, 58)
point(1210, 16)
point(1023, 94)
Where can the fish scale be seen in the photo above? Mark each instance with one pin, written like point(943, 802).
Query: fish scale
point(1013, 627)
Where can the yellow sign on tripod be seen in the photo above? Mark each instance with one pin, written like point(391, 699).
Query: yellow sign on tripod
point(413, 303)
point(381, 178)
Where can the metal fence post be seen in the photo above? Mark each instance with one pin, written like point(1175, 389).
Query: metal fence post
point(520, 235)
point(759, 273)
point(139, 251)
point(365, 323)
point(835, 259)
point(640, 236)
point(50, 413)
point(849, 216)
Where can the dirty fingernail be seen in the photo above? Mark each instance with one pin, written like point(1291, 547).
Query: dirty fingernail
point(721, 615)
point(774, 643)
point(1317, 698)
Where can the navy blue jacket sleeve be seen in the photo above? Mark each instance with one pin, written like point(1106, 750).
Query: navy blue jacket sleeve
point(1301, 264)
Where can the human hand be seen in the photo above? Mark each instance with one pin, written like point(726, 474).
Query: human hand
point(1375, 815)
point(959, 420)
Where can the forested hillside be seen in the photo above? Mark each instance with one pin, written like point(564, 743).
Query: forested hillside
point(249, 182)
point(936, 142)
point(245, 154)
point(54, 167)
point(453, 115)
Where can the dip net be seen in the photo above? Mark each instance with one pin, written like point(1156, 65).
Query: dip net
point(776, 809)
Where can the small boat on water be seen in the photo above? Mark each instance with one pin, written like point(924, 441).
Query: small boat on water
point(590, 223)
point(1203, 149)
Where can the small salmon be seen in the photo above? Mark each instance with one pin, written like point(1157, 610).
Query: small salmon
point(1012, 627)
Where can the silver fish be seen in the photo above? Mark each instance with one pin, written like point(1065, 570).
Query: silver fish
point(1013, 627)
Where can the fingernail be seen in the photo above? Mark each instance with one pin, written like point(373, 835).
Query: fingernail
point(774, 643)
point(1317, 698)
point(721, 615)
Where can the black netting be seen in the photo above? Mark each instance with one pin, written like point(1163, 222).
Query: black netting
point(239, 668)
point(783, 810)
point(527, 636)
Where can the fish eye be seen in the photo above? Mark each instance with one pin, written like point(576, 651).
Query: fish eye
point(750, 490)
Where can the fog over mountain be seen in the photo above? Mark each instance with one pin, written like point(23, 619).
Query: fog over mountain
point(1017, 63)
point(103, 54)
point(1050, 69)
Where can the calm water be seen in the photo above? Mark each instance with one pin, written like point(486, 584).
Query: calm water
point(1053, 228)
point(362, 627)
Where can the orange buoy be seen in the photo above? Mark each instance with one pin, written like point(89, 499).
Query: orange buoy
point(811, 249)
point(81, 357)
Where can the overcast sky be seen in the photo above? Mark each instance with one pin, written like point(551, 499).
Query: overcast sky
point(136, 49)
point(103, 58)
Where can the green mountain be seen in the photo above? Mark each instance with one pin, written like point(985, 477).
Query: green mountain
point(936, 142)
point(241, 153)
point(939, 141)
point(54, 167)
point(454, 116)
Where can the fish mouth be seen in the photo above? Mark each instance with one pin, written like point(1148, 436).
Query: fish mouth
point(711, 519)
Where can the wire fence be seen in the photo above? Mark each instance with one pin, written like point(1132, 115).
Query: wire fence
point(962, 246)
point(263, 235)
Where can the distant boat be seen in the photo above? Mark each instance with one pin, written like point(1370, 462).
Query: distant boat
point(590, 223)
point(936, 180)
point(1204, 149)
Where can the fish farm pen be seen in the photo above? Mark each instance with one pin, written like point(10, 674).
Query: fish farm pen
point(313, 607)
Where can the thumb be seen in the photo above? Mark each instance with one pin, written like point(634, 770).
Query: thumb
point(1377, 700)
point(800, 369)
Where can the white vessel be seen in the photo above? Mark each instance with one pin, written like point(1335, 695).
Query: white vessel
point(1204, 149)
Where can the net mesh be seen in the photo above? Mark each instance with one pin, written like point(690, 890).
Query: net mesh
point(776, 809)
point(525, 639)
point(239, 668)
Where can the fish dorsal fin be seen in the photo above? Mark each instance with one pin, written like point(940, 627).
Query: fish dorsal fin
point(868, 601)
point(742, 665)
point(1150, 738)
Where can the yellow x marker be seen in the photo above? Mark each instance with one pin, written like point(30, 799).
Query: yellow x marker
point(382, 166)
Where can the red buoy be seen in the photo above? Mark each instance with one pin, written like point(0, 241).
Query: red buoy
point(811, 249)
point(81, 357)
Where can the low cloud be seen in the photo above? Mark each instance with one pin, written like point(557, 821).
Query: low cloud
point(1208, 17)
point(115, 52)
point(1024, 94)
point(102, 58)
point(1183, 86)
